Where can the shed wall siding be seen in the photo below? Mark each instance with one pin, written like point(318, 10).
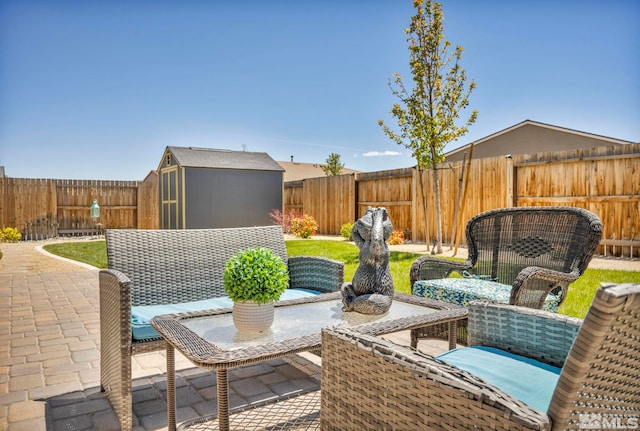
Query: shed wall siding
point(219, 198)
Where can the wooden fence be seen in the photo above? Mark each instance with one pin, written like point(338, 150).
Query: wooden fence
point(604, 180)
point(46, 208)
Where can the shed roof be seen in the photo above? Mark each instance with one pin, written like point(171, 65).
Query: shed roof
point(223, 159)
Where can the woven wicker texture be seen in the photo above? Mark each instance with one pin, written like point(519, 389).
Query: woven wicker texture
point(147, 267)
point(532, 249)
point(371, 384)
point(298, 413)
point(602, 374)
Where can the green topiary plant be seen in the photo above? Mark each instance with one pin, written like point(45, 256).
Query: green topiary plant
point(255, 274)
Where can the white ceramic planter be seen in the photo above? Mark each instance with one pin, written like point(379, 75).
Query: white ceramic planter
point(252, 317)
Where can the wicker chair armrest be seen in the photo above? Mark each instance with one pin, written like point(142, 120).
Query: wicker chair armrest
point(541, 335)
point(431, 268)
point(316, 273)
point(119, 276)
point(533, 284)
point(370, 383)
point(115, 340)
point(115, 300)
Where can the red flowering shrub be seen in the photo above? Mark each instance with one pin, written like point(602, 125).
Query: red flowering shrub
point(284, 220)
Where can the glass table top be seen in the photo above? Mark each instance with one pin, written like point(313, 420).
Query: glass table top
point(291, 321)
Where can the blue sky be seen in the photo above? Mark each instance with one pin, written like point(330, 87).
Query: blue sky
point(97, 89)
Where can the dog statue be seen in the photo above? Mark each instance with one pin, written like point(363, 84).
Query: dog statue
point(371, 290)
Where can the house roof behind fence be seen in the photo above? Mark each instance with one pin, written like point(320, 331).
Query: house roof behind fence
point(530, 137)
point(296, 171)
point(223, 159)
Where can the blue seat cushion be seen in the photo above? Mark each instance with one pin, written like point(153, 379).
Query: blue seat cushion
point(141, 315)
point(461, 291)
point(525, 379)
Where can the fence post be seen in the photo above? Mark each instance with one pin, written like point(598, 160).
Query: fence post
point(414, 205)
point(510, 186)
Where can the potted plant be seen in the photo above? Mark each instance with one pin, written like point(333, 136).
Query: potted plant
point(254, 279)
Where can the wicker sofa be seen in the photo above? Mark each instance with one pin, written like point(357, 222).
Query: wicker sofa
point(372, 384)
point(166, 267)
point(516, 256)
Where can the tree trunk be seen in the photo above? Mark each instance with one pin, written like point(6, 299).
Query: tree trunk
point(424, 205)
point(436, 190)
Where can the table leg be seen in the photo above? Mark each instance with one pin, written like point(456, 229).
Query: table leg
point(171, 388)
point(453, 334)
point(223, 399)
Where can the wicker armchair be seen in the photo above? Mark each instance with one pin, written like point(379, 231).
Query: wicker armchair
point(372, 384)
point(158, 267)
point(520, 254)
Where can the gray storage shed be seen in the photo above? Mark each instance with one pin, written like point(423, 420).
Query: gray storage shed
point(210, 188)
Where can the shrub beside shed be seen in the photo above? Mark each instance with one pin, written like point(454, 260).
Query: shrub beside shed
point(210, 188)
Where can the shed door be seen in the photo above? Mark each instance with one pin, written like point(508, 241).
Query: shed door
point(169, 199)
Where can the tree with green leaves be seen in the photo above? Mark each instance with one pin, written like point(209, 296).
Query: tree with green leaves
point(428, 110)
point(333, 166)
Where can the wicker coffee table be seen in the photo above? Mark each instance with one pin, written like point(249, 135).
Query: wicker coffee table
point(210, 341)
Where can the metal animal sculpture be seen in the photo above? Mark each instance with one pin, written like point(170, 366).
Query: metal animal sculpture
point(371, 290)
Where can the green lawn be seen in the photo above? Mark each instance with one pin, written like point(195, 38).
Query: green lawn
point(347, 252)
point(578, 300)
point(91, 252)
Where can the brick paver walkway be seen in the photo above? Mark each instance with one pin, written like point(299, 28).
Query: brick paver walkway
point(49, 357)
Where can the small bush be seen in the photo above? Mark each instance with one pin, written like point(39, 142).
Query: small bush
point(304, 227)
point(10, 234)
point(283, 219)
point(346, 231)
point(396, 238)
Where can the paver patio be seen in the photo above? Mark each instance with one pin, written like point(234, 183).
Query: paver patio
point(49, 357)
point(49, 354)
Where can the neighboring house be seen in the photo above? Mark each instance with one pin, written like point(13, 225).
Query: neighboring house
point(211, 188)
point(295, 171)
point(532, 137)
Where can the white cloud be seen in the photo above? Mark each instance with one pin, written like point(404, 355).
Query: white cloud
point(381, 153)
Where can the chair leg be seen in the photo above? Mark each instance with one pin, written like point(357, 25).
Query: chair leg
point(115, 382)
point(414, 338)
point(171, 388)
point(453, 334)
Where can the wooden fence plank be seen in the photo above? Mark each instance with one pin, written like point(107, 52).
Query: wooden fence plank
point(603, 180)
point(45, 208)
